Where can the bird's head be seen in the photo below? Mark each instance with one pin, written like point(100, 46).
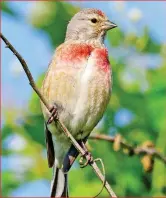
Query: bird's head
point(88, 25)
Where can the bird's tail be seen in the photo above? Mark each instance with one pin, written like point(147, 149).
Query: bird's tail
point(59, 185)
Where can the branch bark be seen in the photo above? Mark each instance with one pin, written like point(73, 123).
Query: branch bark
point(65, 130)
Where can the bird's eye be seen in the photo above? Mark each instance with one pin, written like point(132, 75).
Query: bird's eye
point(94, 20)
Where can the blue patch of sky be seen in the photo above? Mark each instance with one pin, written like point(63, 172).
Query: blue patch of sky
point(38, 188)
point(34, 47)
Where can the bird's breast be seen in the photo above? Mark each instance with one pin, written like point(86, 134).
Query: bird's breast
point(100, 58)
point(94, 92)
point(74, 55)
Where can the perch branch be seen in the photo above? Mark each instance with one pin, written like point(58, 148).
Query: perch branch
point(65, 130)
point(139, 150)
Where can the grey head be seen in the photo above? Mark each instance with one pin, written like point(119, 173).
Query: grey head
point(88, 25)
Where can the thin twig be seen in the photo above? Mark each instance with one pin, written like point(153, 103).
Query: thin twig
point(139, 150)
point(99, 159)
point(65, 130)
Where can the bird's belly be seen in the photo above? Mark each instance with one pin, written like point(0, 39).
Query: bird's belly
point(89, 107)
point(91, 104)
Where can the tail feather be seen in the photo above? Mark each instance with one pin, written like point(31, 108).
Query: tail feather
point(59, 186)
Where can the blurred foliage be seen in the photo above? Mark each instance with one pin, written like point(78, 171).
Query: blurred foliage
point(52, 18)
point(138, 89)
point(4, 6)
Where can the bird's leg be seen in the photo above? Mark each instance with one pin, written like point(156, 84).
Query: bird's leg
point(87, 155)
point(54, 114)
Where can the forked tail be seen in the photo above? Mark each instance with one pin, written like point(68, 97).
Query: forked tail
point(59, 185)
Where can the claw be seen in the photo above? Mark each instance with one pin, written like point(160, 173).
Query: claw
point(87, 156)
point(81, 161)
point(54, 115)
point(89, 160)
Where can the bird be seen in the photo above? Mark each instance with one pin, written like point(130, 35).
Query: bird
point(77, 86)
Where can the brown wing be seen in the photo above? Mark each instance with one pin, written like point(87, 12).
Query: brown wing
point(50, 147)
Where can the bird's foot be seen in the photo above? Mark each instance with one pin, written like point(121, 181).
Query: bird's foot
point(54, 114)
point(87, 156)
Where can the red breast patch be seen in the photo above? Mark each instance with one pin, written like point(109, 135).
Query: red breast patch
point(101, 56)
point(75, 52)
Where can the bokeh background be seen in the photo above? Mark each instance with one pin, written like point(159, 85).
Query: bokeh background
point(136, 110)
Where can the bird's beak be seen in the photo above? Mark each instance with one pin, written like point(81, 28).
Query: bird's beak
point(109, 25)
